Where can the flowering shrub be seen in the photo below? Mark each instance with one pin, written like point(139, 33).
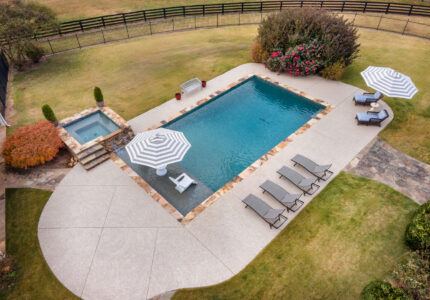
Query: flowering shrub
point(302, 60)
point(31, 145)
point(413, 275)
point(35, 53)
point(378, 289)
point(418, 231)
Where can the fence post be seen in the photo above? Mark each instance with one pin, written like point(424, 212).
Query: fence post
point(173, 24)
point(123, 18)
point(103, 22)
point(126, 28)
point(301, 4)
point(410, 10)
point(103, 34)
point(261, 7)
point(80, 24)
point(183, 10)
point(365, 5)
point(50, 46)
point(150, 27)
point(404, 29)
point(204, 10)
point(388, 8)
point(280, 6)
point(164, 13)
point(343, 6)
point(379, 23)
point(144, 15)
point(353, 20)
point(242, 7)
point(79, 44)
point(321, 4)
point(222, 8)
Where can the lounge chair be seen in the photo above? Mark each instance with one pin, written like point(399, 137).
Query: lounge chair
point(274, 217)
point(290, 201)
point(371, 118)
point(367, 98)
point(320, 171)
point(182, 182)
point(307, 185)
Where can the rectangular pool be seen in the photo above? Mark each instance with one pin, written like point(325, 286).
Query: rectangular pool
point(239, 126)
point(90, 127)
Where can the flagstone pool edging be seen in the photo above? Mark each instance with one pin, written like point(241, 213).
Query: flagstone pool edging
point(249, 170)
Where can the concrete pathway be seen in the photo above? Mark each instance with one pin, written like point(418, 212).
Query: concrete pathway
point(104, 237)
point(380, 161)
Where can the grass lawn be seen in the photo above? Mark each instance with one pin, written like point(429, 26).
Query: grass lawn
point(75, 9)
point(137, 75)
point(346, 237)
point(34, 278)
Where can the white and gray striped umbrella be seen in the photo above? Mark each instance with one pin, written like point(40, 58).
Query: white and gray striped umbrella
point(389, 82)
point(158, 148)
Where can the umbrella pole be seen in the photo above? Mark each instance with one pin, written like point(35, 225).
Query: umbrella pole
point(161, 171)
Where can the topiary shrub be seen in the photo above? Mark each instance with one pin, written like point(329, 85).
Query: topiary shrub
point(286, 30)
point(49, 113)
point(378, 290)
point(98, 94)
point(334, 71)
point(257, 53)
point(418, 231)
point(31, 145)
point(35, 53)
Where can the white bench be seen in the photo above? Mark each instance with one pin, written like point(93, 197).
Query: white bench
point(191, 85)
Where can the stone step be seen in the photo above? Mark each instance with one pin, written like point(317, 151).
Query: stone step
point(93, 156)
point(96, 162)
point(89, 151)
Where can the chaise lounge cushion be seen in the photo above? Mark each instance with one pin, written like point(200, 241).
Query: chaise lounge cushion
point(365, 117)
point(367, 97)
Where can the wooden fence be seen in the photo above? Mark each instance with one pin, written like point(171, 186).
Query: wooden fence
point(228, 8)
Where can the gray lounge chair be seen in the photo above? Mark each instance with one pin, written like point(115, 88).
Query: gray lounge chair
point(320, 171)
point(307, 185)
point(371, 117)
point(274, 217)
point(290, 201)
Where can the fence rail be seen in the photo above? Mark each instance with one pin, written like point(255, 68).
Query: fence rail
point(228, 8)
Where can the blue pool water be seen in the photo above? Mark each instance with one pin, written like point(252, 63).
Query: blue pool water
point(91, 126)
point(236, 128)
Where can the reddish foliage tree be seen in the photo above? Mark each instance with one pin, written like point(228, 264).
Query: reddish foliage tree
point(32, 145)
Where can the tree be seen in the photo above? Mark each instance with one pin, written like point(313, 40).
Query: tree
point(19, 23)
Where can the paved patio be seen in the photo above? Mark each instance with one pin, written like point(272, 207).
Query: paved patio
point(104, 237)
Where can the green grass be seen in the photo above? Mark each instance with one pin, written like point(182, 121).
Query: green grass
point(347, 236)
point(76, 9)
point(137, 75)
point(409, 131)
point(34, 278)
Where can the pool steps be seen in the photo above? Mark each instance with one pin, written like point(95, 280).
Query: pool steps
point(93, 156)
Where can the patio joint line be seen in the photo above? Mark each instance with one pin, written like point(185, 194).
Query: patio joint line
point(209, 250)
point(152, 263)
point(98, 243)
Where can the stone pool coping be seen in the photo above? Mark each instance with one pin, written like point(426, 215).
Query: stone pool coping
point(250, 169)
point(73, 145)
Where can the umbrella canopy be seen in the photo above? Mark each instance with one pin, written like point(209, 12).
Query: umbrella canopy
point(157, 148)
point(389, 82)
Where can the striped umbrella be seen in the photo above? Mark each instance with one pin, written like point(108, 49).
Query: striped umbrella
point(389, 82)
point(157, 148)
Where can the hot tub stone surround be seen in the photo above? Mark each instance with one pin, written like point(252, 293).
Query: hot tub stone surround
point(249, 170)
point(73, 145)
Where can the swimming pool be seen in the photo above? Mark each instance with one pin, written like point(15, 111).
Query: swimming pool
point(90, 127)
point(237, 127)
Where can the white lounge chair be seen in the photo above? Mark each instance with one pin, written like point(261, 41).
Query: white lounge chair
point(182, 182)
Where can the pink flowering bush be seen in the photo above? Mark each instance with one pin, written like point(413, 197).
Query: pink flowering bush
point(302, 60)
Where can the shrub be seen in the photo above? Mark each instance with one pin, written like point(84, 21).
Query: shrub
point(302, 60)
point(31, 145)
point(378, 289)
point(334, 71)
point(7, 272)
point(257, 53)
point(35, 53)
point(98, 94)
point(418, 231)
point(293, 27)
point(413, 275)
point(48, 113)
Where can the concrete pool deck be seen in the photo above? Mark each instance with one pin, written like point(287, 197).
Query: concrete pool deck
point(104, 237)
